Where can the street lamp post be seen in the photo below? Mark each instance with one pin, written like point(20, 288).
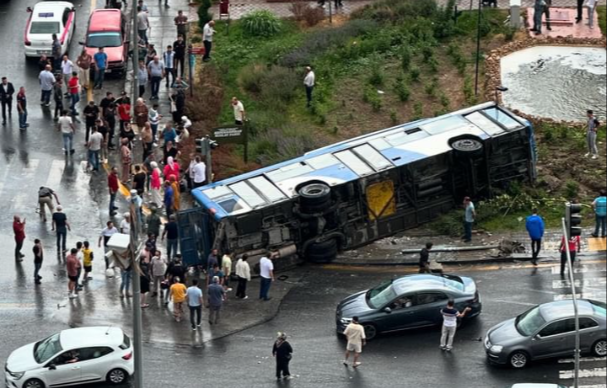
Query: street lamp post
point(135, 43)
point(478, 45)
point(135, 270)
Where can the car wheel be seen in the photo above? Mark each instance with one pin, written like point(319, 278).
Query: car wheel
point(315, 195)
point(370, 331)
point(600, 348)
point(33, 383)
point(519, 359)
point(467, 146)
point(116, 376)
point(324, 252)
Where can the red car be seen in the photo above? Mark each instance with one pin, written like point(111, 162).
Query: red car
point(108, 29)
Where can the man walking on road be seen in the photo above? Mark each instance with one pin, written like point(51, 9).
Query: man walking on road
point(157, 73)
point(6, 98)
point(194, 295)
point(143, 24)
point(450, 316)
point(243, 272)
point(47, 80)
point(535, 226)
point(207, 39)
point(171, 232)
point(45, 198)
point(67, 70)
point(106, 234)
point(356, 337)
point(169, 198)
point(600, 209)
point(61, 226)
point(38, 258)
point(591, 135)
point(575, 246)
point(168, 59)
point(84, 62)
point(113, 185)
point(309, 82)
point(178, 293)
point(73, 267)
point(181, 22)
point(58, 97)
point(216, 296)
point(266, 268)
point(100, 66)
point(65, 124)
point(94, 145)
point(469, 218)
point(22, 108)
point(91, 114)
point(19, 231)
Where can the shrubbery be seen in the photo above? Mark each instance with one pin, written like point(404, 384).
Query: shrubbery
point(204, 16)
point(261, 23)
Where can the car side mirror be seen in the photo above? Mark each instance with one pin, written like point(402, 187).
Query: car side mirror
point(52, 367)
point(537, 337)
point(388, 310)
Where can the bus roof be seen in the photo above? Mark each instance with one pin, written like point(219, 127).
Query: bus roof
point(352, 159)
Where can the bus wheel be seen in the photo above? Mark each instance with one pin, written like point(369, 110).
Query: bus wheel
point(467, 146)
point(315, 195)
point(322, 252)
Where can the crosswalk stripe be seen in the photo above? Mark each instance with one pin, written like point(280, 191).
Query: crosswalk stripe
point(556, 270)
point(601, 296)
point(584, 373)
point(582, 359)
point(55, 174)
point(558, 284)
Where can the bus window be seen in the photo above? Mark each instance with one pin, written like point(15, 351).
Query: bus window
point(503, 118)
point(290, 171)
point(217, 192)
point(380, 144)
point(232, 205)
point(371, 156)
point(271, 192)
point(404, 137)
point(484, 123)
point(244, 191)
point(323, 161)
point(447, 124)
point(354, 163)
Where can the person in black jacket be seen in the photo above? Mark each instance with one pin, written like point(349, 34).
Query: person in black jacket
point(6, 97)
point(175, 270)
point(282, 352)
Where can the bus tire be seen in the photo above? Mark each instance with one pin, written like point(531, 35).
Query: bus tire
point(322, 252)
point(315, 195)
point(467, 146)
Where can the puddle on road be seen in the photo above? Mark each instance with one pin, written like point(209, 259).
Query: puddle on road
point(556, 82)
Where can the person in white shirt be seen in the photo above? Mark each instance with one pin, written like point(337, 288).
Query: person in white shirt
point(80, 257)
point(125, 225)
point(66, 126)
point(266, 271)
point(226, 267)
point(159, 268)
point(309, 82)
point(199, 172)
point(239, 113)
point(67, 68)
point(207, 40)
point(355, 333)
point(94, 145)
point(243, 272)
point(105, 236)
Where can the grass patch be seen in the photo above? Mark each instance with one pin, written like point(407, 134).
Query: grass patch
point(602, 11)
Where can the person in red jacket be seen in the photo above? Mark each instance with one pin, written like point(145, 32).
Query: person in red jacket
point(114, 186)
point(574, 246)
point(124, 113)
point(19, 230)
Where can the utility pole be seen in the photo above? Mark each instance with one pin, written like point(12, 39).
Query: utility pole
point(205, 146)
point(478, 45)
point(135, 270)
point(135, 43)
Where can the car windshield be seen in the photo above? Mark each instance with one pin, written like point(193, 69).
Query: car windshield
point(47, 348)
point(380, 296)
point(530, 322)
point(104, 39)
point(44, 28)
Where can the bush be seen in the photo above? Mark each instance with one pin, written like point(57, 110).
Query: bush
point(261, 23)
point(280, 86)
point(251, 78)
point(377, 76)
point(427, 53)
point(371, 96)
point(572, 190)
point(313, 15)
point(204, 16)
point(415, 73)
point(402, 90)
point(445, 101)
point(406, 57)
point(418, 111)
point(469, 91)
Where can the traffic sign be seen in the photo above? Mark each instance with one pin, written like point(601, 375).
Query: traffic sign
point(198, 50)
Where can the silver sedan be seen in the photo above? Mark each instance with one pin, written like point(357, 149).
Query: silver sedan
point(547, 331)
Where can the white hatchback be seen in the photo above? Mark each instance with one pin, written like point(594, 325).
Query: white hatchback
point(72, 357)
point(45, 19)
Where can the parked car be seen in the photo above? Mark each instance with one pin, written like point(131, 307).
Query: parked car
point(45, 19)
point(547, 331)
point(408, 302)
point(108, 29)
point(72, 357)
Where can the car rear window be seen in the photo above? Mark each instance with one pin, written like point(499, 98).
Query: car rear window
point(44, 28)
point(126, 342)
point(104, 39)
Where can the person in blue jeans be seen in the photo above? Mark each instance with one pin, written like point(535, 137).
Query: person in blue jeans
point(171, 233)
point(100, 66)
point(535, 226)
point(22, 108)
point(600, 210)
point(125, 282)
point(61, 226)
point(469, 218)
point(266, 272)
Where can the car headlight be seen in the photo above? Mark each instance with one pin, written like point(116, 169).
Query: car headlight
point(16, 375)
point(346, 321)
point(496, 349)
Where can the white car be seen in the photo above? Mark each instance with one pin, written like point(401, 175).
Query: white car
point(72, 357)
point(48, 18)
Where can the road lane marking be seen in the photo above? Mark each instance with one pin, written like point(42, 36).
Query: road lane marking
point(55, 174)
point(584, 295)
point(584, 373)
point(556, 270)
point(582, 359)
point(586, 283)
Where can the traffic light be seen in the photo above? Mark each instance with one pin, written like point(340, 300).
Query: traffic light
point(205, 145)
point(200, 146)
point(573, 219)
point(213, 144)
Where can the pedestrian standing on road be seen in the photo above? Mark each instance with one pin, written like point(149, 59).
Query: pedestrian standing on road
point(38, 258)
point(147, 140)
point(100, 58)
point(125, 281)
point(580, 11)
point(181, 22)
point(575, 246)
point(207, 39)
point(591, 6)
point(156, 185)
point(22, 108)
point(282, 352)
point(57, 52)
point(159, 267)
point(58, 97)
point(469, 218)
point(157, 73)
point(170, 152)
point(178, 293)
point(540, 7)
point(171, 233)
point(226, 268)
point(87, 261)
point(168, 59)
point(73, 266)
point(94, 148)
point(84, 62)
point(450, 317)
point(239, 112)
point(216, 272)
point(46, 79)
point(154, 118)
point(176, 193)
point(142, 77)
point(143, 24)
point(126, 160)
point(45, 198)
point(128, 134)
point(591, 135)
point(154, 222)
point(600, 210)
point(125, 224)
point(243, 273)
point(65, 125)
point(194, 295)
point(80, 257)
point(169, 198)
point(144, 280)
point(424, 258)
point(535, 227)
point(198, 172)
point(113, 185)
point(6, 98)
point(355, 334)
point(105, 236)
point(141, 113)
point(67, 70)
point(139, 180)
point(91, 114)
point(74, 89)
point(216, 296)
point(44, 60)
point(19, 231)
point(179, 47)
point(171, 169)
point(266, 273)
point(124, 114)
point(168, 135)
point(103, 131)
point(212, 259)
point(61, 226)
point(309, 82)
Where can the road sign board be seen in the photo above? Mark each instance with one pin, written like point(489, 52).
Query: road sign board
point(232, 134)
point(198, 50)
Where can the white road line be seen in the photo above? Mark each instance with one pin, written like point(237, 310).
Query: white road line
point(55, 174)
point(582, 359)
point(556, 270)
point(600, 296)
point(592, 386)
point(584, 373)
point(558, 284)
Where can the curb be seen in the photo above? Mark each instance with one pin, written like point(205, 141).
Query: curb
point(453, 249)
